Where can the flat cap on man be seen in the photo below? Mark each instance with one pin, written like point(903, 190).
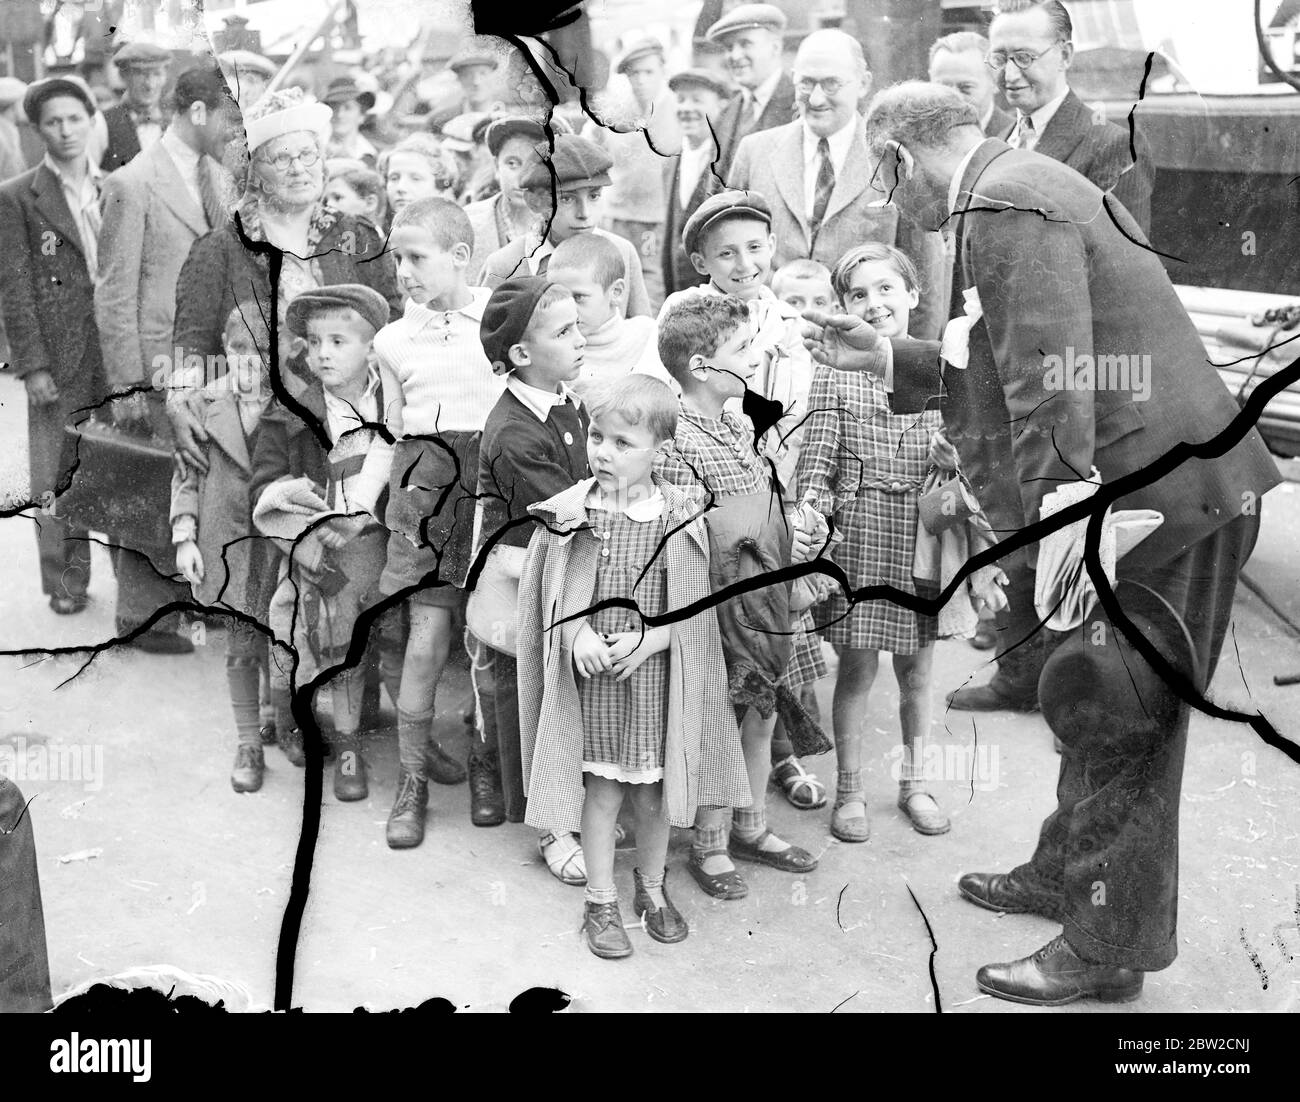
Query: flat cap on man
point(747, 17)
point(464, 132)
point(506, 316)
point(366, 301)
point(700, 78)
point(471, 55)
point(11, 91)
point(637, 48)
point(718, 208)
point(577, 163)
point(141, 53)
point(344, 90)
point(50, 87)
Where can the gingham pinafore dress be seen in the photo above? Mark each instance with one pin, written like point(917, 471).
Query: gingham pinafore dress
point(624, 723)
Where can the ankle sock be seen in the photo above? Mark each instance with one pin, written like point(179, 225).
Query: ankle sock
point(709, 838)
point(748, 823)
point(600, 895)
point(414, 733)
point(848, 785)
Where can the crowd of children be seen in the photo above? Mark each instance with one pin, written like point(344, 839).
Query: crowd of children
point(544, 463)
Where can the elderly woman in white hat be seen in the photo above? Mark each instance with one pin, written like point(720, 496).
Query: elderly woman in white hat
point(311, 246)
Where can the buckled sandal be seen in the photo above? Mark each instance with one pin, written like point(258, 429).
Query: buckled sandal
point(925, 820)
point(791, 859)
point(722, 885)
point(566, 862)
point(850, 828)
point(800, 787)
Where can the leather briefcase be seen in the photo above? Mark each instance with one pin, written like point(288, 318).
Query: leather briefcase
point(122, 485)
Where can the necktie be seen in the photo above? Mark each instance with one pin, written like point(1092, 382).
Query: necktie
point(1025, 135)
point(825, 185)
point(213, 208)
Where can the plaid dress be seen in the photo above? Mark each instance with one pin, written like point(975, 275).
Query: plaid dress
point(867, 466)
point(623, 722)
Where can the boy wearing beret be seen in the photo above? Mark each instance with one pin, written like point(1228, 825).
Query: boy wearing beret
point(325, 501)
point(534, 446)
point(581, 173)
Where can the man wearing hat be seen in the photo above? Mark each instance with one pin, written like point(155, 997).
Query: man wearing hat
point(139, 119)
point(477, 71)
point(751, 36)
point(349, 104)
point(691, 177)
point(12, 161)
point(1058, 290)
point(49, 231)
point(247, 73)
point(576, 175)
point(154, 209)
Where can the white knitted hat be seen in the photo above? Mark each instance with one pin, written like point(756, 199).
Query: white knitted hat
point(285, 112)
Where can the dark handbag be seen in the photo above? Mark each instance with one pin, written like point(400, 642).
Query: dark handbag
point(946, 501)
point(122, 485)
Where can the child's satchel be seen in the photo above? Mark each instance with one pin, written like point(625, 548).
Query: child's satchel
point(492, 611)
point(946, 501)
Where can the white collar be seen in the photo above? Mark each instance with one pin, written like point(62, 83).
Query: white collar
point(93, 170)
point(179, 150)
point(765, 91)
point(341, 407)
point(473, 309)
point(839, 142)
point(540, 401)
point(954, 188)
point(1044, 114)
point(647, 509)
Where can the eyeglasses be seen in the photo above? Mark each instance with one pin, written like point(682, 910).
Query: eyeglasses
point(1021, 59)
point(305, 157)
point(830, 86)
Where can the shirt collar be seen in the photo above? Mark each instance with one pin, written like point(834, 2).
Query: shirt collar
point(954, 188)
point(342, 407)
point(473, 309)
point(93, 170)
point(647, 509)
point(1044, 114)
point(178, 150)
point(839, 141)
point(765, 91)
point(541, 402)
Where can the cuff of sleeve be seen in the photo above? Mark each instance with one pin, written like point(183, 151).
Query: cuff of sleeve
point(184, 529)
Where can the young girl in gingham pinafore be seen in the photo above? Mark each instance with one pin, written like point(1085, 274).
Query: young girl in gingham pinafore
point(866, 465)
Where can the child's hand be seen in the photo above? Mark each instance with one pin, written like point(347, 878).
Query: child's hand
point(986, 589)
point(590, 653)
point(629, 649)
point(346, 527)
point(189, 561)
point(942, 453)
point(331, 538)
point(309, 552)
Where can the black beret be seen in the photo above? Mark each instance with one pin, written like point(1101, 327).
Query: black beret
point(366, 301)
point(718, 208)
point(38, 93)
point(576, 161)
point(506, 316)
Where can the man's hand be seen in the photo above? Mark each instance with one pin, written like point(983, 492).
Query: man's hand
point(41, 388)
point(590, 653)
point(629, 649)
point(942, 453)
point(185, 411)
point(189, 561)
point(986, 589)
point(842, 341)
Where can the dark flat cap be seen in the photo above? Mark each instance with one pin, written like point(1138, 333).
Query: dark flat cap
point(343, 89)
point(506, 316)
point(577, 163)
point(745, 18)
point(42, 90)
point(366, 301)
point(141, 53)
point(700, 78)
point(501, 130)
point(637, 48)
point(720, 207)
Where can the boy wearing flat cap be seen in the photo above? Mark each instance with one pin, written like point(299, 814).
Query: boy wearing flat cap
point(327, 501)
point(512, 144)
point(534, 445)
point(139, 119)
point(576, 175)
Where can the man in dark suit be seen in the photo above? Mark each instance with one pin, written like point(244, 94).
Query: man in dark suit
point(1062, 292)
point(49, 226)
point(751, 36)
point(960, 62)
point(1031, 49)
point(139, 119)
point(691, 177)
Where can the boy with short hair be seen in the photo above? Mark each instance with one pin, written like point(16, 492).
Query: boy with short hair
point(707, 344)
point(326, 501)
point(534, 446)
point(804, 285)
point(447, 389)
point(575, 176)
point(591, 268)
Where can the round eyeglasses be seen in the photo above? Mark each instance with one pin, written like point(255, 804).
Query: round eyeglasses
point(305, 157)
point(1021, 59)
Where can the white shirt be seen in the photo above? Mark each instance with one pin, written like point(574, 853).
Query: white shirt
point(540, 401)
point(758, 99)
point(839, 143)
point(694, 163)
point(1042, 116)
point(186, 161)
point(83, 201)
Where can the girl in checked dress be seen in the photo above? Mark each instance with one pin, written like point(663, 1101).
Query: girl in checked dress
point(865, 466)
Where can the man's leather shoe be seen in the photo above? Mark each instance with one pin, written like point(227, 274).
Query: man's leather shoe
point(986, 698)
point(603, 925)
point(999, 891)
point(487, 803)
point(162, 642)
point(1056, 975)
point(406, 820)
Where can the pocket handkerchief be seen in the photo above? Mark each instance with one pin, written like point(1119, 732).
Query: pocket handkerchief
point(955, 347)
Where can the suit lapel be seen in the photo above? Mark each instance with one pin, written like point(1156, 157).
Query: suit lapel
point(173, 192)
point(51, 203)
point(967, 195)
point(854, 178)
point(1065, 130)
point(787, 162)
point(227, 431)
